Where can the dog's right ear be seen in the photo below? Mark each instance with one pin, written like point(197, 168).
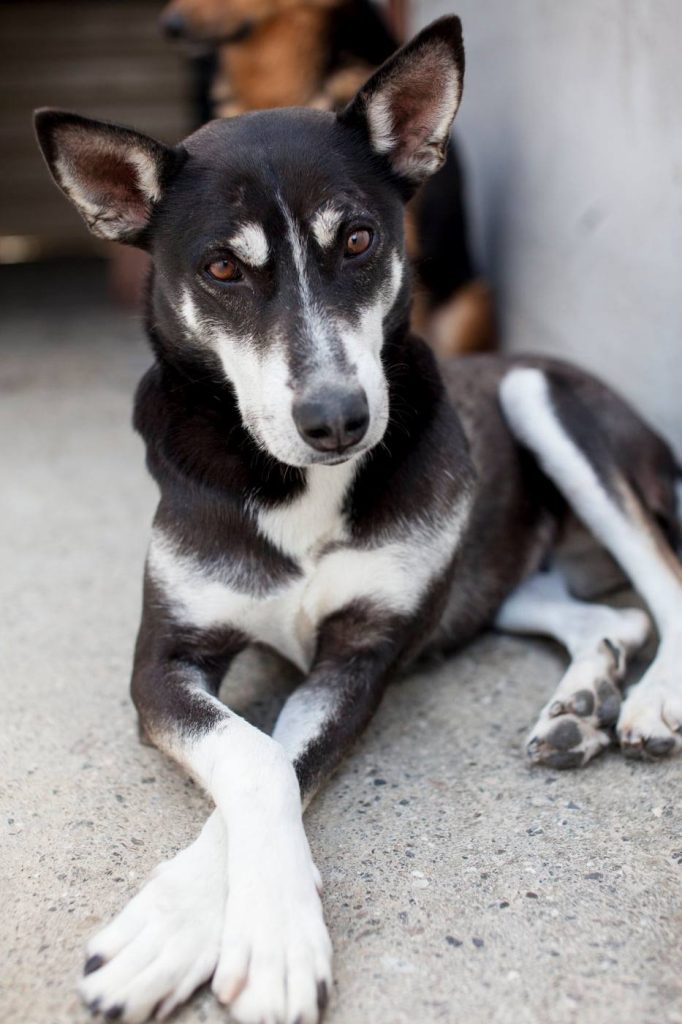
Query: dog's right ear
point(407, 107)
point(114, 176)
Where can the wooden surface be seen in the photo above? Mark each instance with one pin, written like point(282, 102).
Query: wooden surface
point(100, 58)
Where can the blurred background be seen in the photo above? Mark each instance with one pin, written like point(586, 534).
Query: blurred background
point(570, 134)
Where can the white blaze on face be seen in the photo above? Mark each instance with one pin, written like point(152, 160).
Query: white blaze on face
point(316, 323)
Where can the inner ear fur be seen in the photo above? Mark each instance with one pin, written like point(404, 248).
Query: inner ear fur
point(407, 107)
point(113, 175)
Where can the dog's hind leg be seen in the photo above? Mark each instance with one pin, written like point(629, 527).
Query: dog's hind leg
point(572, 446)
point(574, 725)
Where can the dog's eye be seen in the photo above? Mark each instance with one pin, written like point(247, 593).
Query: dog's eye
point(357, 241)
point(224, 270)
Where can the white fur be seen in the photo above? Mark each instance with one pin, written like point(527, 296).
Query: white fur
point(189, 313)
point(527, 405)
point(362, 344)
point(304, 526)
point(250, 244)
point(381, 123)
point(301, 718)
point(334, 572)
point(166, 941)
point(325, 225)
point(315, 318)
point(147, 173)
point(263, 934)
point(655, 704)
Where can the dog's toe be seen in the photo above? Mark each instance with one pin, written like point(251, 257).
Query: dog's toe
point(650, 723)
point(565, 740)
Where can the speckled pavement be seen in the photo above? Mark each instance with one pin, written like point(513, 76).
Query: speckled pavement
point(461, 886)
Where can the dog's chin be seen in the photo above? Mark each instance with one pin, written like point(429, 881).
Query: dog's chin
point(306, 459)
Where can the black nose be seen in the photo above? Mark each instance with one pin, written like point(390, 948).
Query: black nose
point(173, 25)
point(331, 419)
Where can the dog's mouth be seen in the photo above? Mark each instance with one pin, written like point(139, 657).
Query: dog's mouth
point(338, 458)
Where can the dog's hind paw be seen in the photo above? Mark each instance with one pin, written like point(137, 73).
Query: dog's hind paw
point(577, 723)
point(166, 942)
point(650, 722)
point(565, 741)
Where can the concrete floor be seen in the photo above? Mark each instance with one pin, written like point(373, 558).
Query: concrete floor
point(460, 885)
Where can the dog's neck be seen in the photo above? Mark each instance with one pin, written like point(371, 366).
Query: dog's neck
point(280, 63)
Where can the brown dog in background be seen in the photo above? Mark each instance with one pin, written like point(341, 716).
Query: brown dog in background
point(286, 53)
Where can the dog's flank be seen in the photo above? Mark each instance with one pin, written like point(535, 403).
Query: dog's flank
point(328, 491)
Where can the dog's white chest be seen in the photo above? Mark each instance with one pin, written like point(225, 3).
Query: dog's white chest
point(308, 530)
point(332, 571)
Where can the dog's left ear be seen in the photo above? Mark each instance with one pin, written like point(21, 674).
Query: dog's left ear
point(114, 176)
point(407, 107)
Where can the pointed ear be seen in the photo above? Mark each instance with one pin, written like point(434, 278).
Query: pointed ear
point(407, 107)
point(112, 175)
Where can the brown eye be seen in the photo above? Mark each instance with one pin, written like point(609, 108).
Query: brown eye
point(358, 241)
point(224, 270)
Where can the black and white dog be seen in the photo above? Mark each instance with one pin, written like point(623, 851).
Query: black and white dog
point(328, 491)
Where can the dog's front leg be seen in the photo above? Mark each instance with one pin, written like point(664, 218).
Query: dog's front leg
point(282, 975)
point(258, 905)
point(357, 648)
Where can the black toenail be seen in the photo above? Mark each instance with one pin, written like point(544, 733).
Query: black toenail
point(659, 746)
point(564, 759)
point(93, 963)
point(114, 1013)
point(564, 735)
point(322, 995)
point(94, 1006)
point(582, 703)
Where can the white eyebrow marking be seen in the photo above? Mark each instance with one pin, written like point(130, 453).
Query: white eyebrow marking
point(325, 225)
point(250, 244)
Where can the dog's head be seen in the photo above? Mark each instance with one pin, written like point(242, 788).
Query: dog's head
point(277, 242)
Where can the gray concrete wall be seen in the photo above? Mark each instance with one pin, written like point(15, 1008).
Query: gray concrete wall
point(572, 129)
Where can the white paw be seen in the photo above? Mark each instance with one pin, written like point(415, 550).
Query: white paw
point(166, 942)
point(275, 958)
point(650, 722)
